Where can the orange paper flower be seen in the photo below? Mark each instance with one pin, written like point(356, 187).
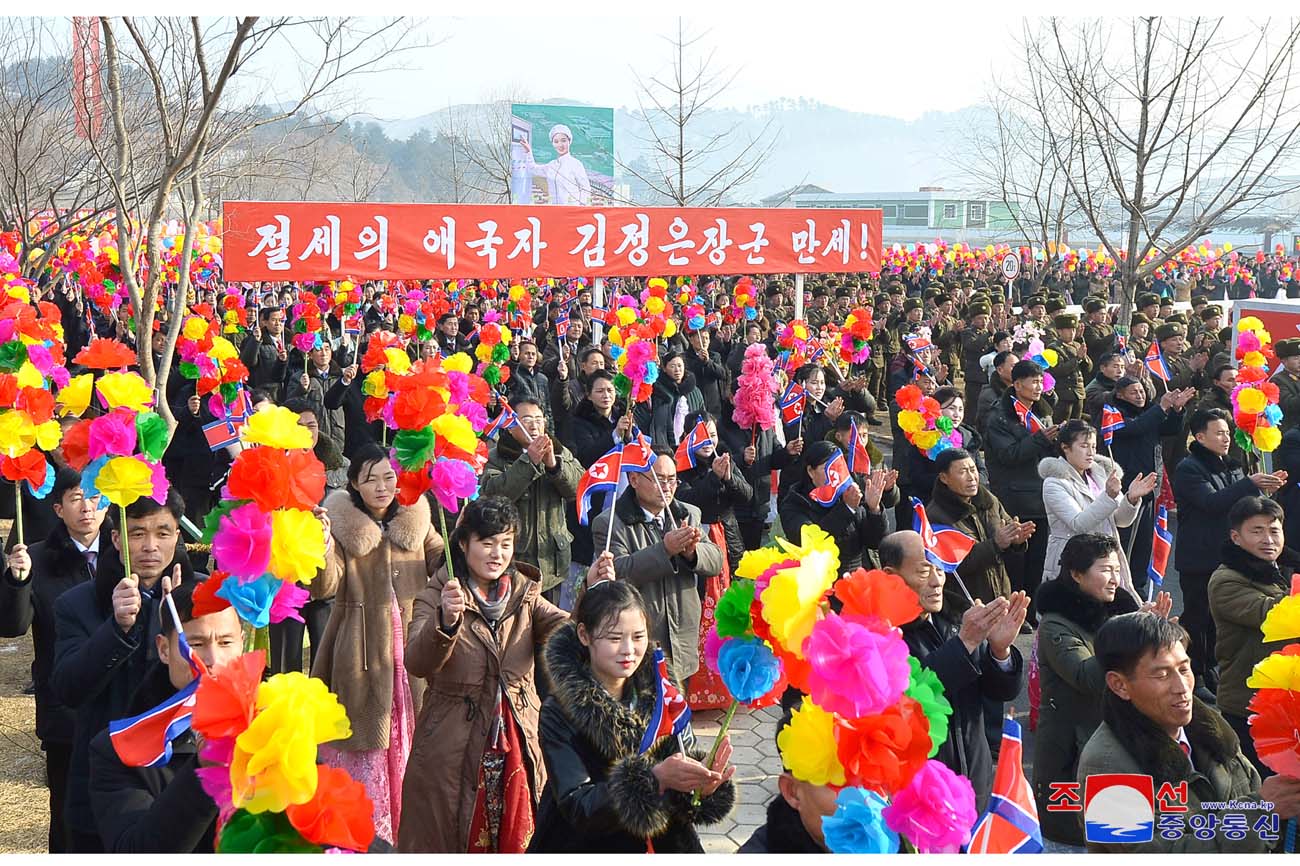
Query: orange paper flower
point(104, 354)
point(223, 706)
point(883, 752)
point(877, 594)
point(262, 475)
point(340, 815)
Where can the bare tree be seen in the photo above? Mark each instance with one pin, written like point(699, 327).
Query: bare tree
point(190, 67)
point(480, 148)
point(690, 164)
point(1163, 128)
point(1008, 157)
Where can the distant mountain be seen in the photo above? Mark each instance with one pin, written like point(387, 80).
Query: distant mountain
point(840, 150)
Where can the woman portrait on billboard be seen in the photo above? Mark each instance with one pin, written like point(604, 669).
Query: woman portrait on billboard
point(565, 176)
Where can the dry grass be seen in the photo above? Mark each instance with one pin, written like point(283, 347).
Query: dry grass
point(24, 801)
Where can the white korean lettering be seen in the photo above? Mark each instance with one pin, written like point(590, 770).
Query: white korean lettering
point(374, 240)
point(443, 240)
point(275, 243)
point(486, 246)
point(592, 245)
point(716, 242)
point(805, 243)
point(754, 248)
point(841, 238)
point(530, 241)
point(677, 230)
point(324, 242)
point(637, 236)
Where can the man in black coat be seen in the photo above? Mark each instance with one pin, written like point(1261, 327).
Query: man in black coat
point(710, 373)
point(33, 580)
point(1206, 484)
point(265, 353)
point(974, 659)
point(345, 394)
point(163, 810)
point(105, 639)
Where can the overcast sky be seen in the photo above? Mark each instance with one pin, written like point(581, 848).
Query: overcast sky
point(901, 67)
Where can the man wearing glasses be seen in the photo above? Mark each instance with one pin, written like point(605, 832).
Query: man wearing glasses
point(659, 548)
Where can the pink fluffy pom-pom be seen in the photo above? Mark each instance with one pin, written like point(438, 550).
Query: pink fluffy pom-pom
point(935, 811)
point(856, 671)
point(755, 402)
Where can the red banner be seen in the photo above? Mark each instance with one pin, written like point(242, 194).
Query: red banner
point(329, 241)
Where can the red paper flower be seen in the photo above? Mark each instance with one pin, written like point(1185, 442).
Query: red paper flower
point(29, 467)
point(205, 596)
point(38, 403)
point(104, 354)
point(76, 445)
point(909, 397)
point(262, 475)
point(877, 594)
point(306, 480)
point(1274, 728)
point(224, 703)
point(339, 815)
point(883, 752)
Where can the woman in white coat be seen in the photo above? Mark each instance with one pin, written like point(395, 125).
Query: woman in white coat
point(1083, 493)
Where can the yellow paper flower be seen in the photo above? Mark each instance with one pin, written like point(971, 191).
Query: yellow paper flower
point(654, 305)
point(1283, 621)
point(517, 293)
point(1276, 672)
point(74, 398)
point(195, 328)
point(125, 390)
point(1050, 356)
point(1253, 359)
point(223, 349)
point(274, 763)
point(297, 545)
point(925, 439)
point(808, 747)
point(458, 363)
point(48, 435)
point(670, 329)
point(30, 377)
point(615, 335)
point(791, 604)
point(375, 385)
point(626, 316)
point(1251, 401)
point(1267, 438)
point(457, 430)
point(277, 427)
point(1249, 323)
point(406, 323)
point(17, 433)
point(657, 283)
point(123, 480)
point(398, 361)
point(911, 421)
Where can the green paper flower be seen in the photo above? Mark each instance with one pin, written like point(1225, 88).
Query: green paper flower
point(500, 352)
point(413, 448)
point(151, 431)
point(733, 611)
point(189, 371)
point(492, 375)
point(229, 392)
point(944, 424)
point(212, 521)
point(1243, 440)
point(262, 833)
point(12, 356)
point(622, 384)
point(924, 688)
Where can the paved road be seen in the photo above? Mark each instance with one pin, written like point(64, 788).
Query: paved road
point(753, 736)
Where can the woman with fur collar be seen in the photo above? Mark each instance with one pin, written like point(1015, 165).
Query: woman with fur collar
point(382, 556)
point(1082, 493)
point(1071, 609)
point(605, 793)
point(476, 770)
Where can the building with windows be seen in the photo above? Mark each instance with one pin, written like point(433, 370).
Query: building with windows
point(919, 217)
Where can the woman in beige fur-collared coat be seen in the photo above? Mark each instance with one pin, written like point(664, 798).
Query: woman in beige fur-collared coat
point(382, 557)
point(1083, 492)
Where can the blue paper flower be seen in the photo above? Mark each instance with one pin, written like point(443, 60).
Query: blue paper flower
point(46, 486)
point(89, 476)
point(1273, 414)
point(748, 668)
point(858, 827)
point(651, 372)
point(252, 600)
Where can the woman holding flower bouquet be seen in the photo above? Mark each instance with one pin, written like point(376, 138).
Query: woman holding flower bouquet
point(382, 556)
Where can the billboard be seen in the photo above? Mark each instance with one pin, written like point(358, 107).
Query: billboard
point(561, 154)
point(383, 241)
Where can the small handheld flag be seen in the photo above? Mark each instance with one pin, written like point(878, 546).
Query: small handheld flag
point(692, 443)
point(504, 421)
point(671, 714)
point(1161, 543)
point(838, 480)
point(1155, 362)
point(638, 453)
point(1010, 824)
point(562, 323)
point(600, 477)
point(859, 459)
point(944, 546)
point(1111, 420)
point(792, 403)
point(1027, 417)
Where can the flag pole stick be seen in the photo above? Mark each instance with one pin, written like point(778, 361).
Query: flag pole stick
point(1137, 519)
point(609, 535)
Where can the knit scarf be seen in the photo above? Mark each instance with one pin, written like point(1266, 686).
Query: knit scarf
point(492, 603)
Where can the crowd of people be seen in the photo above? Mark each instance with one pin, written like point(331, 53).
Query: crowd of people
point(499, 680)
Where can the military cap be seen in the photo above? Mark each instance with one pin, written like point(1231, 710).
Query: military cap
point(913, 304)
point(933, 294)
point(1055, 305)
point(1169, 330)
point(1199, 298)
point(1140, 319)
point(881, 299)
point(1180, 318)
point(1288, 348)
point(1065, 320)
point(1211, 311)
point(1035, 301)
point(1094, 305)
point(1146, 299)
point(978, 309)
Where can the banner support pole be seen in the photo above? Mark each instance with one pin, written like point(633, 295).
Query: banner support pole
point(798, 296)
point(597, 300)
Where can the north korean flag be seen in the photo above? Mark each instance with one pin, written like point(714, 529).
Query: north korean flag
point(671, 713)
point(1155, 362)
point(1161, 543)
point(792, 403)
point(503, 421)
point(692, 443)
point(859, 459)
point(638, 453)
point(1111, 420)
point(944, 546)
point(838, 480)
point(601, 477)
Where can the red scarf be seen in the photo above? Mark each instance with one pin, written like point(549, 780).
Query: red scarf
point(511, 795)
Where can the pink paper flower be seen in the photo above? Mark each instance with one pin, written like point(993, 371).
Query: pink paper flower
point(856, 671)
point(712, 644)
point(289, 599)
point(113, 434)
point(476, 414)
point(458, 387)
point(452, 481)
point(242, 544)
point(935, 811)
point(160, 483)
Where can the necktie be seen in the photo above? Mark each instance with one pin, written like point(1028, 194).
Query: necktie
point(91, 556)
point(1187, 750)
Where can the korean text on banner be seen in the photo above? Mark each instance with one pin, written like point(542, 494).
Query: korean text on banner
point(327, 241)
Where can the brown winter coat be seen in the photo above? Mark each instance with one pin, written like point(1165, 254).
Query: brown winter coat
point(462, 670)
point(984, 571)
point(365, 567)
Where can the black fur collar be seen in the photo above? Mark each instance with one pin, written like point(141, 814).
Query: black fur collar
point(954, 504)
point(611, 726)
point(1063, 596)
point(786, 833)
point(1155, 752)
point(1256, 569)
point(1213, 462)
